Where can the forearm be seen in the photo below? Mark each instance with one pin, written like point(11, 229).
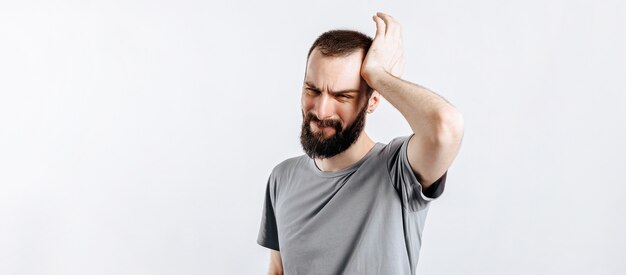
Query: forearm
point(428, 114)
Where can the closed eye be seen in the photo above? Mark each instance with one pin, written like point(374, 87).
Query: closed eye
point(313, 91)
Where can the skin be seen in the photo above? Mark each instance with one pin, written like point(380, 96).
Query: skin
point(333, 89)
point(437, 125)
point(276, 263)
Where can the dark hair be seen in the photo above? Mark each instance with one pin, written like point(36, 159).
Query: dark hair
point(342, 43)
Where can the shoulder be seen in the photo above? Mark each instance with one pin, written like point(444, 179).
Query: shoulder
point(284, 172)
point(393, 147)
point(289, 166)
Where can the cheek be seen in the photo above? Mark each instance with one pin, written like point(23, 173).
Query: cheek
point(307, 103)
point(351, 113)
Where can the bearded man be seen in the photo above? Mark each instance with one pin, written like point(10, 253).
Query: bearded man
point(351, 205)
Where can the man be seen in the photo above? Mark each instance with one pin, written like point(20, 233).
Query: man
point(350, 205)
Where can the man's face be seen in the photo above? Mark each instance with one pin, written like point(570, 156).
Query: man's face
point(333, 104)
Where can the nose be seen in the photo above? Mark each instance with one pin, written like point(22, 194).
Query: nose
point(324, 107)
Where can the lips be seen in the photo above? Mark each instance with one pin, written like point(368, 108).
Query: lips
point(318, 125)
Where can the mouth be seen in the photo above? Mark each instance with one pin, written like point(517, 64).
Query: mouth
point(316, 125)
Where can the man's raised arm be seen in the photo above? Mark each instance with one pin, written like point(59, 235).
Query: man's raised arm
point(436, 124)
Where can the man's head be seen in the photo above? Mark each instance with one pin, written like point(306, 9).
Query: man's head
point(335, 97)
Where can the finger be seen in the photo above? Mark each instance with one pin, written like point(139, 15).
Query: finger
point(390, 23)
point(380, 26)
point(386, 18)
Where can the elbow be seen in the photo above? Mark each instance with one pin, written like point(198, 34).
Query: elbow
point(450, 126)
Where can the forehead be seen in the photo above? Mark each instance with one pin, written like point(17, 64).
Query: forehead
point(334, 72)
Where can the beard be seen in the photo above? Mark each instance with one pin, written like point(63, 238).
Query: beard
point(316, 145)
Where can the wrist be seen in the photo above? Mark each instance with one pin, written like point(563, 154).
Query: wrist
point(376, 77)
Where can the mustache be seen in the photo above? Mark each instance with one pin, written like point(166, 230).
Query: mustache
point(327, 122)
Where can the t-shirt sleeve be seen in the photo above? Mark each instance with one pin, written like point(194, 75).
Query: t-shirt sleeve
point(413, 196)
point(268, 233)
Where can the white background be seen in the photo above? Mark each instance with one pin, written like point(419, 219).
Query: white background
point(136, 137)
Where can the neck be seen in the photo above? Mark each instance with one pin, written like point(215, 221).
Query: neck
point(348, 157)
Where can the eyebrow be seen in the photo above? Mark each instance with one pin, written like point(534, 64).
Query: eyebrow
point(310, 85)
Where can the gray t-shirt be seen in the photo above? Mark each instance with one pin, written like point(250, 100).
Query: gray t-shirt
point(365, 219)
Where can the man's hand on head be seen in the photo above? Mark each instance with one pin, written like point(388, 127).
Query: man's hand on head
point(386, 54)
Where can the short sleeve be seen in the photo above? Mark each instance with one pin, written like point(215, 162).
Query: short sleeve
point(405, 180)
point(268, 233)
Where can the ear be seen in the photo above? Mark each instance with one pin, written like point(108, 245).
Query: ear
point(373, 102)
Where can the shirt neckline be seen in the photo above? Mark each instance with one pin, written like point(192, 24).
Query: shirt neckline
point(346, 170)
